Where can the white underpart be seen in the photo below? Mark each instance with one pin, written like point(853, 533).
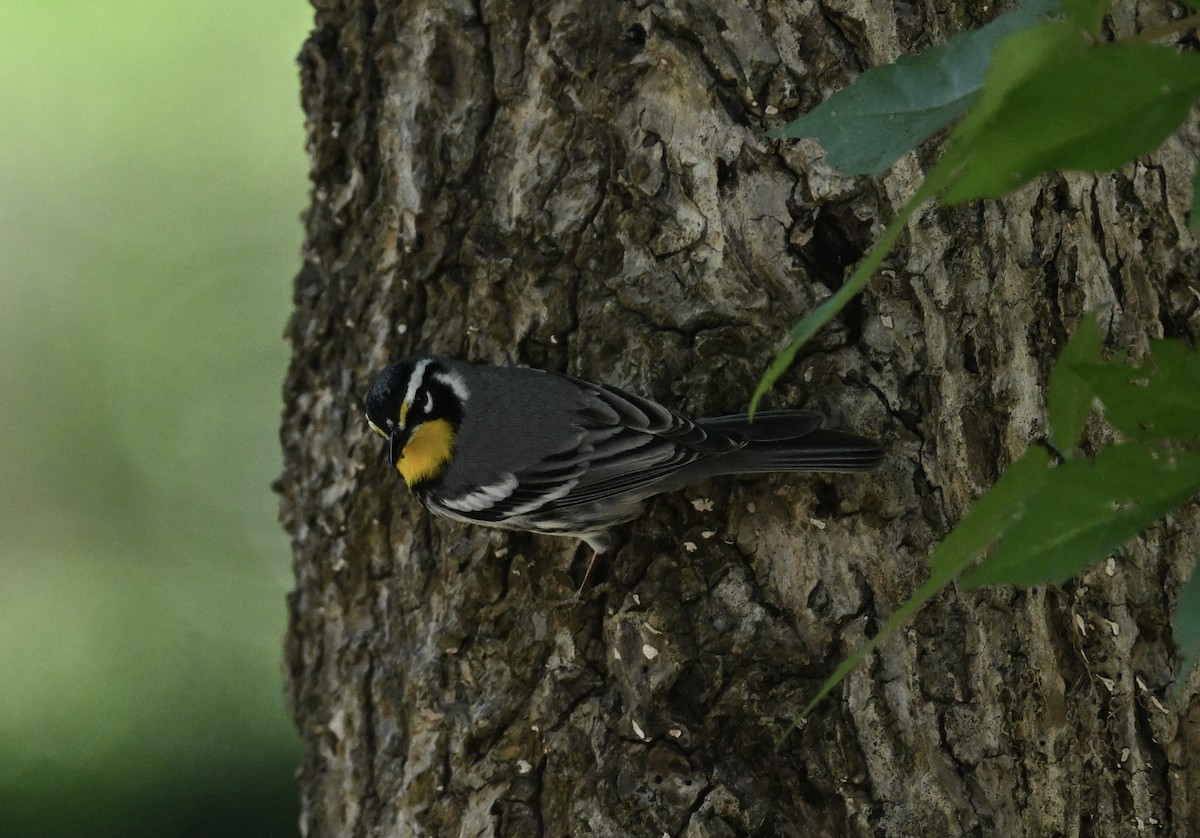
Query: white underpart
point(559, 491)
point(484, 497)
point(454, 381)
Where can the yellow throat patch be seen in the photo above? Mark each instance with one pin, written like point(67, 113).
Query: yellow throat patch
point(427, 452)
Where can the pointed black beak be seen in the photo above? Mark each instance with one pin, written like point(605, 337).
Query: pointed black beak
point(397, 439)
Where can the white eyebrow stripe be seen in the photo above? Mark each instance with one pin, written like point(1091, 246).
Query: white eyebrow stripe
point(414, 380)
point(454, 381)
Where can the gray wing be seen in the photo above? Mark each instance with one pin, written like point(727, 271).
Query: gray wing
point(624, 444)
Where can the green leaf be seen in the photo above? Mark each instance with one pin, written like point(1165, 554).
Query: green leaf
point(1187, 627)
point(1194, 212)
point(1088, 14)
point(1084, 108)
point(1085, 510)
point(1159, 400)
point(1018, 59)
point(1072, 385)
point(992, 514)
point(1049, 523)
point(890, 109)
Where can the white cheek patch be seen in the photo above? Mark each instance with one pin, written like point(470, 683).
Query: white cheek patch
point(484, 497)
point(454, 381)
point(428, 408)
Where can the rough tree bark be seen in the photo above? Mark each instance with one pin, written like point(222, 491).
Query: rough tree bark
point(585, 186)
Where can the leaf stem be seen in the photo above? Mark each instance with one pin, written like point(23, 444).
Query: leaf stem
point(933, 183)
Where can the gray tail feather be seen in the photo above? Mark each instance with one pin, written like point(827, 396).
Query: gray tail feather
point(792, 440)
point(768, 425)
point(821, 450)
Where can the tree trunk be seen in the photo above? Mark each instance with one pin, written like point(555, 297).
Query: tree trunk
point(585, 187)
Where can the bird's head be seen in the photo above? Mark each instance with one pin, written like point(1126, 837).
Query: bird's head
point(417, 406)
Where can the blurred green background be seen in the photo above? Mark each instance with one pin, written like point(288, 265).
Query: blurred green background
point(151, 179)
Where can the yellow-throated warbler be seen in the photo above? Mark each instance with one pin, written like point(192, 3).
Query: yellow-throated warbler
point(524, 449)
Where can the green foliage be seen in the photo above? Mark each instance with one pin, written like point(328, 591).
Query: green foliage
point(1194, 212)
point(1040, 524)
point(1187, 626)
point(1082, 510)
point(1071, 106)
point(1086, 14)
point(892, 108)
point(1085, 509)
point(1053, 97)
point(1070, 398)
point(1159, 400)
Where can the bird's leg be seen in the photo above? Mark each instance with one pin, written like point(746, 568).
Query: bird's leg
point(600, 543)
point(587, 576)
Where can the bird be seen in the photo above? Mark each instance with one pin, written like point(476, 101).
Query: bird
point(526, 449)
